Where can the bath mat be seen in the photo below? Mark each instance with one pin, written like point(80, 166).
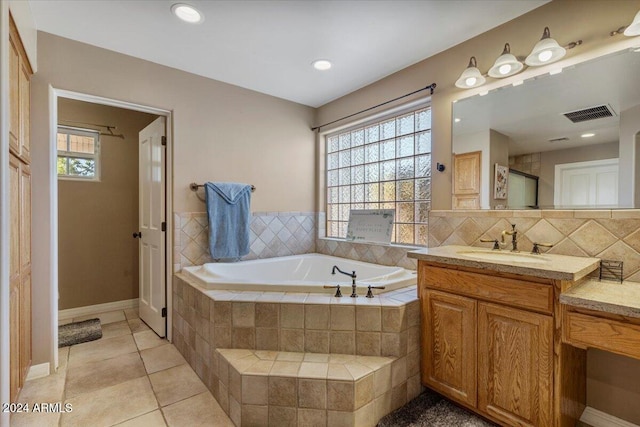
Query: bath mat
point(77, 332)
point(432, 410)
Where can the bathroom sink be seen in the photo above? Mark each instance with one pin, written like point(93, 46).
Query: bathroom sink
point(504, 257)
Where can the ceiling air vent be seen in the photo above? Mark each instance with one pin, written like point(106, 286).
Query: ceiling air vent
point(591, 113)
point(564, 138)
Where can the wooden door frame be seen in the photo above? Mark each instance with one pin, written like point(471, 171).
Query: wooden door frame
point(54, 94)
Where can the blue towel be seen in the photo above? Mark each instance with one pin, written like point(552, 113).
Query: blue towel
point(228, 211)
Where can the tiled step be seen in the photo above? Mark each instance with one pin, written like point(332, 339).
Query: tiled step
point(273, 388)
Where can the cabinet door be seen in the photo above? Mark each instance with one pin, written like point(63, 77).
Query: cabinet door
point(25, 105)
point(14, 277)
point(515, 365)
point(14, 95)
point(449, 337)
point(25, 269)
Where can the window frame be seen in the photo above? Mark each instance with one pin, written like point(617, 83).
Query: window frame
point(380, 118)
point(95, 156)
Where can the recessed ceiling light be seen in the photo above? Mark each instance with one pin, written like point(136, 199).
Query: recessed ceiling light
point(321, 64)
point(187, 13)
point(457, 120)
point(587, 135)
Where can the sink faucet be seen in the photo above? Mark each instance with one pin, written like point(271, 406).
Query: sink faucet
point(353, 279)
point(514, 237)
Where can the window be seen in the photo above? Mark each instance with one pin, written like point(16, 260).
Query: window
point(78, 153)
point(383, 165)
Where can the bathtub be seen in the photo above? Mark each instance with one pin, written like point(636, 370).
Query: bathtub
point(298, 273)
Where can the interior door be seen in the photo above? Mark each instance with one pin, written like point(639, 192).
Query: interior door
point(466, 180)
point(152, 231)
point(586, 184)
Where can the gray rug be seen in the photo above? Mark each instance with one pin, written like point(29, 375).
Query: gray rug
point(432, 410)
point(78, 332)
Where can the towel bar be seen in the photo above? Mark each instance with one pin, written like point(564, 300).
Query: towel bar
point(194, 187)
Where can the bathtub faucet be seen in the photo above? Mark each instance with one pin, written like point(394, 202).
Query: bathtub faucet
point(353, 279)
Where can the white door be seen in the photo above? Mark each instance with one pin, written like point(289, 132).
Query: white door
point(586, 184)
point(152, 298)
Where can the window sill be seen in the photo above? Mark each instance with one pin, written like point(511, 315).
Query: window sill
point(392, 245)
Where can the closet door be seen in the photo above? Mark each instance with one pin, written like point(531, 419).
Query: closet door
point(14, 276)
point(14, 94)
point(25, 269)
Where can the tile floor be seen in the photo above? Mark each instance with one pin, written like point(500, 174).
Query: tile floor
point(128, 378)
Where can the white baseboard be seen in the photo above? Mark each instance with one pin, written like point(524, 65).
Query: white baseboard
point(70, 313)
point(38, 371)
point(597, 418)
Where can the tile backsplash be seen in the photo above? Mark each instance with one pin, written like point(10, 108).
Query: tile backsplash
point(272, 234)
point(606, 234)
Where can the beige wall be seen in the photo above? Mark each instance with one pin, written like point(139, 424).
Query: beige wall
point(97, 255)
point(220, 132)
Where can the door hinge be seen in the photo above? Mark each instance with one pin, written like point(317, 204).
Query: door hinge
point(164, 226)
point(164, 140)
point(164, 312)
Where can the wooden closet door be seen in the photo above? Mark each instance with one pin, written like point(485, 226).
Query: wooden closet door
point(25, 269)
point(14, 94)
point(515, 365)
point(449, 352)
point(25, 106)
point(14, 276)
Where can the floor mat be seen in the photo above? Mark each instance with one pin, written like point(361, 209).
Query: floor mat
point(430, 409)
point(78, 332)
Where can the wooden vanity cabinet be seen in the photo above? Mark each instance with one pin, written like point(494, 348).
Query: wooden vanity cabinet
point(489, 343)
point(20, 214)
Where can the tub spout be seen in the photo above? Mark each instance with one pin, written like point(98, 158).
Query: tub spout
point(353, 279)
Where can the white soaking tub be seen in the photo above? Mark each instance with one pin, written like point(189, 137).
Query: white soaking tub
point(298, 273)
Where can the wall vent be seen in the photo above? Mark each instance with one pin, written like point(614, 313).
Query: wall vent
point(591, 113)
point(564, 138)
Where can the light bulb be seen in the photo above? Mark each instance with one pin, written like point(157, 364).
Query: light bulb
point(187, 13)
point(470, 81)
point(545, 55)
point(321, 64)
point(504, 69)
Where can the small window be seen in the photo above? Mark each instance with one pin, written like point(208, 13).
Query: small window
point(78, 153)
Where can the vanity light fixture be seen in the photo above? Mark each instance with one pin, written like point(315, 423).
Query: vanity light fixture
point(546, 51)
point(506, 65)
point(471, 76)
point(588, 135)
point(634, 28)
point(187, 13)
point(321, 64)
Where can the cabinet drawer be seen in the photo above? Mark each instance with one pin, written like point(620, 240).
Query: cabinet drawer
point(582, 330)
point(513, 292)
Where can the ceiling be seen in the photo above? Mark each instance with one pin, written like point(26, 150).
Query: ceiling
point(532, 114)
point(268, 46)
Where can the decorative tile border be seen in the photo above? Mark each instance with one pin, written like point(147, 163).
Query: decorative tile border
point(606, 234)
point(272, 234)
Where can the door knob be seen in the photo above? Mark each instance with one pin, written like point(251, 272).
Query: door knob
point(137, 235)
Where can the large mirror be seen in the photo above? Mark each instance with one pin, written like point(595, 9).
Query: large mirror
point(566, 140)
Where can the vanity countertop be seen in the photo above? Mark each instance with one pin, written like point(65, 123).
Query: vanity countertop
point(547, 266)
point(606, 296)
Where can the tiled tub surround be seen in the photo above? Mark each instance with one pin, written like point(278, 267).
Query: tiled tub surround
point(605, 234)
point(385, 326)
point(327, 389)
point(272, 234)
